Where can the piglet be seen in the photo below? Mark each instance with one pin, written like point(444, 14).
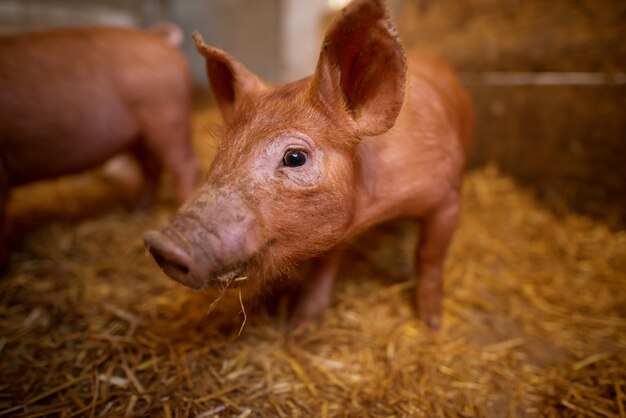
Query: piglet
point(303, 168)
point(72, 98)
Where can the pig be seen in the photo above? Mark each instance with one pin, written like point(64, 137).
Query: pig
point(305, 167)
point(72, 98)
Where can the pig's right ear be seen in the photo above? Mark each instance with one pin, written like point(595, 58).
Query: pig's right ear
point(230, 80)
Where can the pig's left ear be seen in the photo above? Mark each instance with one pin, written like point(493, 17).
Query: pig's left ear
point(362, 67)
point(230, 80)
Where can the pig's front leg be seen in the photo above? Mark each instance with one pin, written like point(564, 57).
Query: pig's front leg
point(151, 170)
point(164, 143)
point(314, 296)
point(435, 237)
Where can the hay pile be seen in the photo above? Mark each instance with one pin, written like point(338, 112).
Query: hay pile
point(534, 321)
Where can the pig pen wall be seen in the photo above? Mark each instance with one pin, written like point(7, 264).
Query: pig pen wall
point(548, 81)
point(278, 39)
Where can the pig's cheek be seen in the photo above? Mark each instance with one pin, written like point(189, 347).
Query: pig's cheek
point(301, 179)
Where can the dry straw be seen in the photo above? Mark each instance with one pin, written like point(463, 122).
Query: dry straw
point(534, 321)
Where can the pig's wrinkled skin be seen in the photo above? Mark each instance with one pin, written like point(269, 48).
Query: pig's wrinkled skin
point(382, 143)
point(72, 98)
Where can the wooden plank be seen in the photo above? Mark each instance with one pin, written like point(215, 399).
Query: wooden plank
point(549, 85)
point(532, 35)
point(568, 142)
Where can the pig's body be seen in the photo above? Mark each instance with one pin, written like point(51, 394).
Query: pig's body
point(72, 98)
point(305, 167)
point(412, 169)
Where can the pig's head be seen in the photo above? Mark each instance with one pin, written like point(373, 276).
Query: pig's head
point(282, 186)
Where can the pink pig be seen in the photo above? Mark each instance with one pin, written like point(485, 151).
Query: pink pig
point(72, 98)
point(305, 167)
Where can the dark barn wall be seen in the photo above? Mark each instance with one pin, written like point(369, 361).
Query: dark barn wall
point(538, 117)
point(245, 29)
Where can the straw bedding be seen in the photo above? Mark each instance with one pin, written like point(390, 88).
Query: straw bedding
point(534, 322)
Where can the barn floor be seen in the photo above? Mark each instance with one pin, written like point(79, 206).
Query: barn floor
point(535, 318)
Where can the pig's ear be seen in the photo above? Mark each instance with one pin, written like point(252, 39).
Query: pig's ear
point(362, 67)
point(230, 80)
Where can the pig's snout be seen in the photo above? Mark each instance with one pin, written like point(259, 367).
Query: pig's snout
point(210, 242)
point(174, 257)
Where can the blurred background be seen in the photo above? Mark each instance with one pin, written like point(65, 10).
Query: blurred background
point(548, 78)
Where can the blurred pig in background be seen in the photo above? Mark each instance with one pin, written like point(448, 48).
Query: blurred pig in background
point(71, 99)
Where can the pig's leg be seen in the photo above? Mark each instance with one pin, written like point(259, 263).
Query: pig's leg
point(435, 237)
point(169, 140)
point(151, 169)
point(178, 158)
point(315, 293)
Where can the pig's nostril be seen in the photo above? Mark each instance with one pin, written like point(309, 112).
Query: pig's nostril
point(171, 257)
point(170, 267)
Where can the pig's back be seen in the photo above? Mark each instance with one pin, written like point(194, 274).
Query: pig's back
point(69, 98)
point(444, 80)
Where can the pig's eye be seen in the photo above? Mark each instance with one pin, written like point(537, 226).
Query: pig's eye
point(294, 158)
